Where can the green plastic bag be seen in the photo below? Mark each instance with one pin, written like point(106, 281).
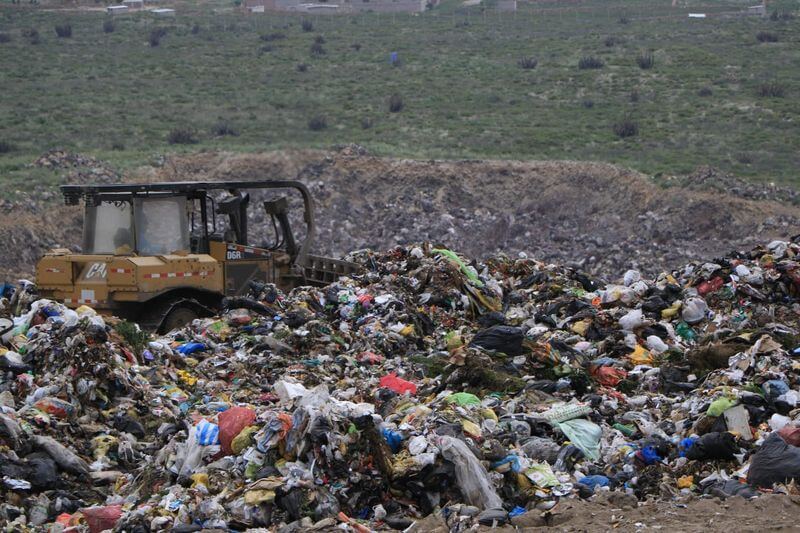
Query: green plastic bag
point(720, 405)
point(585, 435)
point(463, 398)
point(461, 264)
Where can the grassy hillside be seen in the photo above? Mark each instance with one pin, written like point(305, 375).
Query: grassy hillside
point(463, 93)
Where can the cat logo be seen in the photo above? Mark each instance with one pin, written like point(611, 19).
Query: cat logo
point(97, 270)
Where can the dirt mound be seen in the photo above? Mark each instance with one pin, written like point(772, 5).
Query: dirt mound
point(599, 217)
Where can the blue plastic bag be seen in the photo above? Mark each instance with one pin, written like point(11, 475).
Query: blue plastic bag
point(594, 481)
point(394, 439)
point(191, 347)
point(206, 433)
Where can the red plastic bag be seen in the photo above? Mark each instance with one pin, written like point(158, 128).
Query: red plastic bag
point(791, 434)
point(710, 286)
point(608, 375)
point(398, 385)
point(101, 518)
point(231, 423)
point(369, 358)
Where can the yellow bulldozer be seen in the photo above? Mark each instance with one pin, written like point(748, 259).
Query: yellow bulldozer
point(163, 254)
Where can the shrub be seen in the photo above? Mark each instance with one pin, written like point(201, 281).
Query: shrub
point(780, 15)
point(6, 147)
point(108, 26)
point(133, 335)
point(319, 39)
point(634, 96)
point(307, 25)
point(645, 60)
point(181, 136)
point(302, 67)
point(626, 128)
point(612, 41)
point(623, 20)
point(317, 49)
point(5, 38)
point(528, 63)
point(32, 35)
point(317, 123)
point(366, 123)
point(766, 37)
point(590, 62)
point(356, 46)
point(155, 36)
point(395, 103)
point(771, 89)
point(269, 37)
point(64, 31)
point(223, 128)
point(265, 49)
point(195, 28)
point(117, 146)
point(588, 104)
point(705, 91)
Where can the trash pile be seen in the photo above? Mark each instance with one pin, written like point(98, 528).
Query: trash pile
point(428, 385)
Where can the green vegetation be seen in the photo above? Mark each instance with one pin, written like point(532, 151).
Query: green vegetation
point(706, 90)
point(135, 337)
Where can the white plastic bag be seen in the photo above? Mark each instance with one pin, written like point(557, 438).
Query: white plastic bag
point(471, 476)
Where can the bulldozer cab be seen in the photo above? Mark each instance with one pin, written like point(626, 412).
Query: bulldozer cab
point(164, 253)
point(186, 217)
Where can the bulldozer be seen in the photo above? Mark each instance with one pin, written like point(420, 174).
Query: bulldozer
point(163, 254)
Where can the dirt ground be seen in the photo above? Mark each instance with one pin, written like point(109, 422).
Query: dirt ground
point(597, 217)
point(616, 513)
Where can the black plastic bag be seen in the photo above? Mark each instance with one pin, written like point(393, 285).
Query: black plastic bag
point(775, 462)
point(716, 445)
point(505, 339)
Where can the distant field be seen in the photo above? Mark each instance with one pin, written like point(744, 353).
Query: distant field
point(463, 93)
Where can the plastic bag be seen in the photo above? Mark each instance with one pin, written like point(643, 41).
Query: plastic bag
point(584, 434)
point(505, 339)
point(471, 476)
point(231, 423)
point(398, 385)
point(189, 457)
point(790, 434)
point(594, 481)
point(716, 445)
point(775, 462)
point(720, 405)
point(191, 347)
point(63, 456)
point(608, 376)
point(102, 518)
point(463, 398)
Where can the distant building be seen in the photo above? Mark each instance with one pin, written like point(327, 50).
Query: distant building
point(258, 6)
point(116, 10)
point(343, 6)
point(163, 12)
point(133, 4)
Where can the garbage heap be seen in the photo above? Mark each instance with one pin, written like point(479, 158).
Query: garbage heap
point(427, 384)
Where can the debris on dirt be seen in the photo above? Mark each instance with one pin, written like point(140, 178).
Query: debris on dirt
point(545, 209)
point(430, 391)
point(707, 178)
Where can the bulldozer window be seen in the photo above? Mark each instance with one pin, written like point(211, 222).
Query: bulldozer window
point(109, 229)
point(162, 225)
